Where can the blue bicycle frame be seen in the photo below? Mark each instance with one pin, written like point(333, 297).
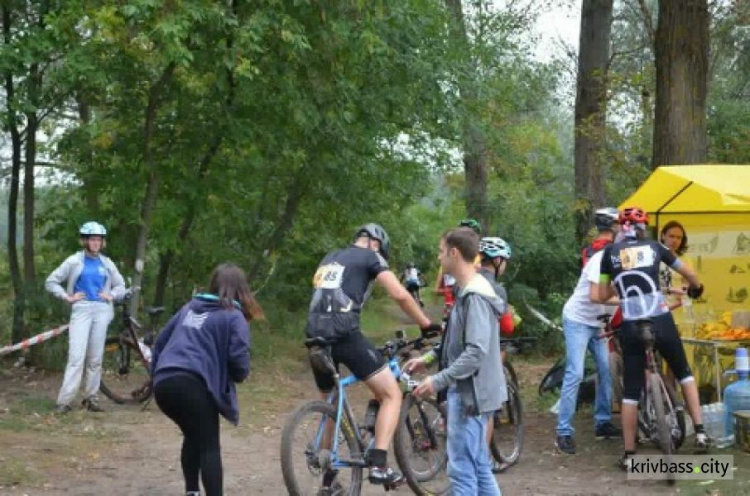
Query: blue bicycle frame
point(344, 407)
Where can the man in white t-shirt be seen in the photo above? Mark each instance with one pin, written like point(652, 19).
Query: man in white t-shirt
point(581, 328)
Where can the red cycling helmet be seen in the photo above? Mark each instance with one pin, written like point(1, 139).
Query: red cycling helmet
point(633, 215)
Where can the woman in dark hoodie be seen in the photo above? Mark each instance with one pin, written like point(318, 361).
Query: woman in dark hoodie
point(197, 358)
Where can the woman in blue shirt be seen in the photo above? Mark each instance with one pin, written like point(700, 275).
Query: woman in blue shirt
point(92, 284)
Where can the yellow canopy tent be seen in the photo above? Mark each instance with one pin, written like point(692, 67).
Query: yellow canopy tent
point(712, 202)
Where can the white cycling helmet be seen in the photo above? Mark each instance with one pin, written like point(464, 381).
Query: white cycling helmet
point(492, 247)
point(92, 229)
point(605, 218)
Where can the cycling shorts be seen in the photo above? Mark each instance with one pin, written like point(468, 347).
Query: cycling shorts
point(358, 354)
point(412, 285)
point(666, 341)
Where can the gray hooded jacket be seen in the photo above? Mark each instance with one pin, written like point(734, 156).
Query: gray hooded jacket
point(71, 269)
point(471, 352)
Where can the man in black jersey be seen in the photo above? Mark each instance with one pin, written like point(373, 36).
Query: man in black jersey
point(342, 283)
point(631, 267)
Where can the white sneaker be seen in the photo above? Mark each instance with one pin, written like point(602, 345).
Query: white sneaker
point(702, 442)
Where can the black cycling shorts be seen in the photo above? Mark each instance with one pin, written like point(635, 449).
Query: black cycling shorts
point(666, 341)
point(358, 354)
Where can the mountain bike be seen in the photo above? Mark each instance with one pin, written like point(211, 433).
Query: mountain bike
point(661, 417)
point(413, 290)
point(506, 443)
point(553, 380)
point(324, 448)
point(126, 365)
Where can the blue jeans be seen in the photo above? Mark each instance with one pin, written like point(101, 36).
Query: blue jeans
point(469, 467)
point(578, 337)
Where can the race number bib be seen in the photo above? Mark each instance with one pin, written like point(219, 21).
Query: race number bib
point(637, 257)
point(329, 276)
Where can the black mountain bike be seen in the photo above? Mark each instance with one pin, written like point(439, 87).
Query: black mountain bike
point(661, 417)
point(506, 444)
point(126, 365)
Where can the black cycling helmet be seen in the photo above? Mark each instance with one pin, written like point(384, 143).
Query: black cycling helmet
point(375, 231)
point(605, 218)
point(473, 224)
point(410, 265)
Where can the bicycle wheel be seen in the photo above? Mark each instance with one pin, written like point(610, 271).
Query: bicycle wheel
point(507, 437)
point(664, 435)
point(675, 416)
point(420, 446)
point(305, 463)
point(553, 379)
point(616, 369)
point(126, 376)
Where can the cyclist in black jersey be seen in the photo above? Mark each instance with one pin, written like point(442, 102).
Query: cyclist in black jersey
point(630, 269)
point(342, 283)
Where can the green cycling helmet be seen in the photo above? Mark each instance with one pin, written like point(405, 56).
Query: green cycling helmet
point(471, 223)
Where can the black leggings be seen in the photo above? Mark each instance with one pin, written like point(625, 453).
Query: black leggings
point(185, 399)
point(666, 341)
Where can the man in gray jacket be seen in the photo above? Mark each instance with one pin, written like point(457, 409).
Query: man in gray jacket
point(471, 367)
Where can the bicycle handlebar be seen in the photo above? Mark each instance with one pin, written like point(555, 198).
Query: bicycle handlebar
point(392, 347)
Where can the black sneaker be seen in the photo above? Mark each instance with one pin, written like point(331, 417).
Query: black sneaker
point(92, 404)
point(385, 476)
point(566, 444)
point(607, 431)
point(62, 410)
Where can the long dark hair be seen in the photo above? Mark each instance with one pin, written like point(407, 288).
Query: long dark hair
point(683, 244)
point(229, 283)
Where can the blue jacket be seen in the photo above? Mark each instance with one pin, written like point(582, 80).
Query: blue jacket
point(210, 341)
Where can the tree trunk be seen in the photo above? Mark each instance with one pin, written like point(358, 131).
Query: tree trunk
point(682, 46)
point(165, 259)
point(17, 333)
point(282, 226)
point(591, 110)
point(474, 142)
point(152, 187)
point(29, 269)
point(90, 190)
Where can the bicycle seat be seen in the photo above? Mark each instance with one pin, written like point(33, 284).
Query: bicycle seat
point(154, 310)
point(317, 342)
point(603, 318)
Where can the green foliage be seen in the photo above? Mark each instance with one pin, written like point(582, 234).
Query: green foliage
point(272, 130)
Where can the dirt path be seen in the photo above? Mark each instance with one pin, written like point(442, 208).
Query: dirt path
point(126, 451)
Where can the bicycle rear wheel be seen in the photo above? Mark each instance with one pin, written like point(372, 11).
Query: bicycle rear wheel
point(126, 376)
point(663, 431)
point(507, 437)
point(420, 446)
point(616, 369)
point(305, 462)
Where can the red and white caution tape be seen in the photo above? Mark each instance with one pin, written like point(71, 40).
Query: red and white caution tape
point(33, 340)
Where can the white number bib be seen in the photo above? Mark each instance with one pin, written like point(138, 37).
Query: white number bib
point(329, 276)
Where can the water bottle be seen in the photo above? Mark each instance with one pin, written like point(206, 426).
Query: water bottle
point(736, 396)
point(713, 420)
point(371, 415)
